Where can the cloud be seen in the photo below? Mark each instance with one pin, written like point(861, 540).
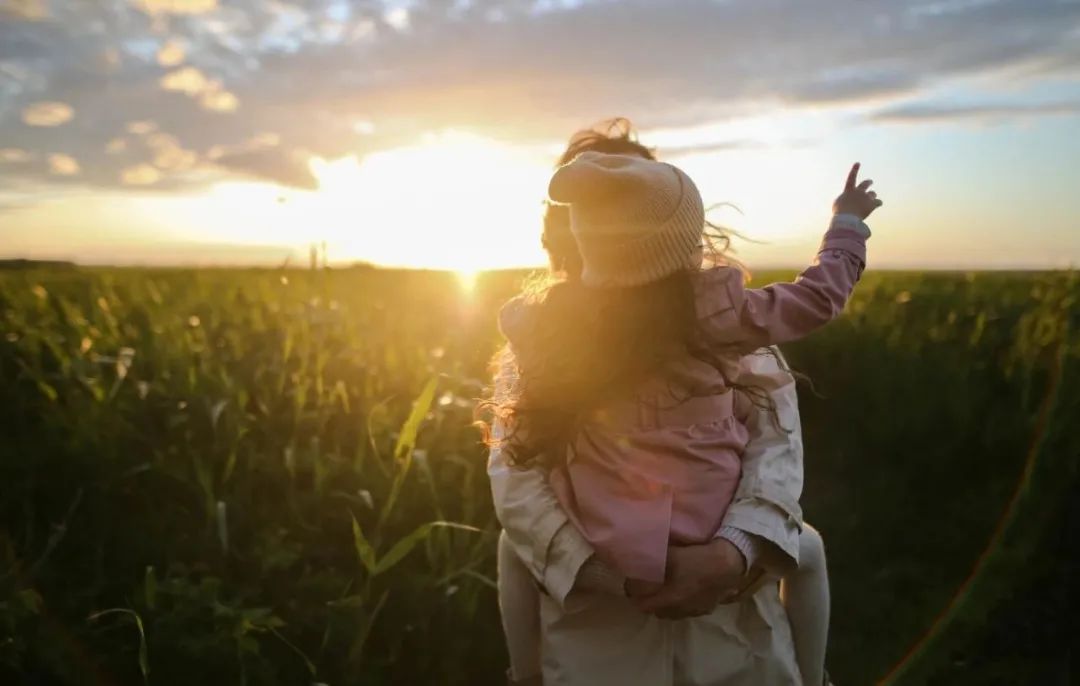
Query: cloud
point(96, 81)
point(920, 113)
point(47, 114)
point(140, 128)
point(171, 53)
point(219, 100)
point(140, 175)
point(398, 18)
point(697, 60)
point(31, 10)
point(287, 169)
point(855, 86)
point(168, 154)
point(63, 165)
point(673, 151)
point(14, 156)
point(192, 82)
point(187, 80)
point(155, 7)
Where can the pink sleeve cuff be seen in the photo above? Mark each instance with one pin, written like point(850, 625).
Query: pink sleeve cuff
point(846, 235)
point(851, 222)
point(747, 544)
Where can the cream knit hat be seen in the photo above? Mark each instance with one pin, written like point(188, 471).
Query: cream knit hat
point(634, 220)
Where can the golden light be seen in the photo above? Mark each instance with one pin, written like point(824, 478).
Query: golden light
point(467, 279)
point(466, 203)
point(454, 201)
point(781, 187)
point(772, 189)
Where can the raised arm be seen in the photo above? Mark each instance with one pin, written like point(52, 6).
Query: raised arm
point(748, 319)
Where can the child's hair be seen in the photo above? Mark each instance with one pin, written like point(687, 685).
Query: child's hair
point(584, 345)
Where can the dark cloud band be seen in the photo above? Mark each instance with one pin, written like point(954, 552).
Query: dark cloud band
point(177, 93)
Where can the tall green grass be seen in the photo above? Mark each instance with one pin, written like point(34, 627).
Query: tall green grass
point(269, 477)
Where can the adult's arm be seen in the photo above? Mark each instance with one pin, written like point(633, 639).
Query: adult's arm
point(535, 524)
point(764, 519)
point(766, 503)
point(765, 508)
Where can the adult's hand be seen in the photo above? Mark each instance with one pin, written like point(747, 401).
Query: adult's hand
point(699, 577)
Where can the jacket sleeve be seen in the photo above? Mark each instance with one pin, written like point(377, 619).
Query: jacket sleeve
point(766, 502)
point(537, 527)
point(748, 319)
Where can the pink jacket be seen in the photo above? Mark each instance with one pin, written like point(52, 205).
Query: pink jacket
point(653, 469)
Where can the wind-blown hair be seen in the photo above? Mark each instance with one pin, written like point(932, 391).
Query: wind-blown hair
point(577, 346)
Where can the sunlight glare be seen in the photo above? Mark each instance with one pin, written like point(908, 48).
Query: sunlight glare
point(465, 203)
point(466, 279)
point(454, 201)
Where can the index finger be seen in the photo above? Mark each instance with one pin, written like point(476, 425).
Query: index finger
point(852, 177)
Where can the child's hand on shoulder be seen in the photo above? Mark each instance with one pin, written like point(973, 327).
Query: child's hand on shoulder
point(857, 198)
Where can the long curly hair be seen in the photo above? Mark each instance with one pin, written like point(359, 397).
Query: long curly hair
point(584, 345)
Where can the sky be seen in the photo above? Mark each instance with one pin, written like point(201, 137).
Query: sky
point(422, 133)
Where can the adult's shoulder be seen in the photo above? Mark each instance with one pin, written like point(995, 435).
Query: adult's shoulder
point(767, 367)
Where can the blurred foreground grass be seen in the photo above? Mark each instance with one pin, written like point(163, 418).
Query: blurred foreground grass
point(242, 476)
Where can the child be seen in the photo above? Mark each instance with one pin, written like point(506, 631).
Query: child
point(625, 377)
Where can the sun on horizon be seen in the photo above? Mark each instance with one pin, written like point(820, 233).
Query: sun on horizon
point(463, 202)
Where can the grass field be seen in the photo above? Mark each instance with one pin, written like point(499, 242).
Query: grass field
point(228, 477)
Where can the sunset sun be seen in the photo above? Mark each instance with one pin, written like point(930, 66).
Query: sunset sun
point(463, 203)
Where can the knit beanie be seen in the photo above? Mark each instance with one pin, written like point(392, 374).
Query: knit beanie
point(634, 220)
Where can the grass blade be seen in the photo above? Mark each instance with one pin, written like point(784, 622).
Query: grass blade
point(364, 551)
point(404, 546)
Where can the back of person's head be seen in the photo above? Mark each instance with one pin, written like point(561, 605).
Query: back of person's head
point(634, 220)
point(614, 137)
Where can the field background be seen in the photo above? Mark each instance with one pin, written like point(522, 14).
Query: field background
point(228, 477)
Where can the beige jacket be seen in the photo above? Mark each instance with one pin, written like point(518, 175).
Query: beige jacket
point(594, 639)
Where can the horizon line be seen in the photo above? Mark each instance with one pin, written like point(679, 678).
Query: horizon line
point(16, 263)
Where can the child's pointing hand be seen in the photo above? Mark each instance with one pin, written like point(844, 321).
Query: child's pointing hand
point(857, 198)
